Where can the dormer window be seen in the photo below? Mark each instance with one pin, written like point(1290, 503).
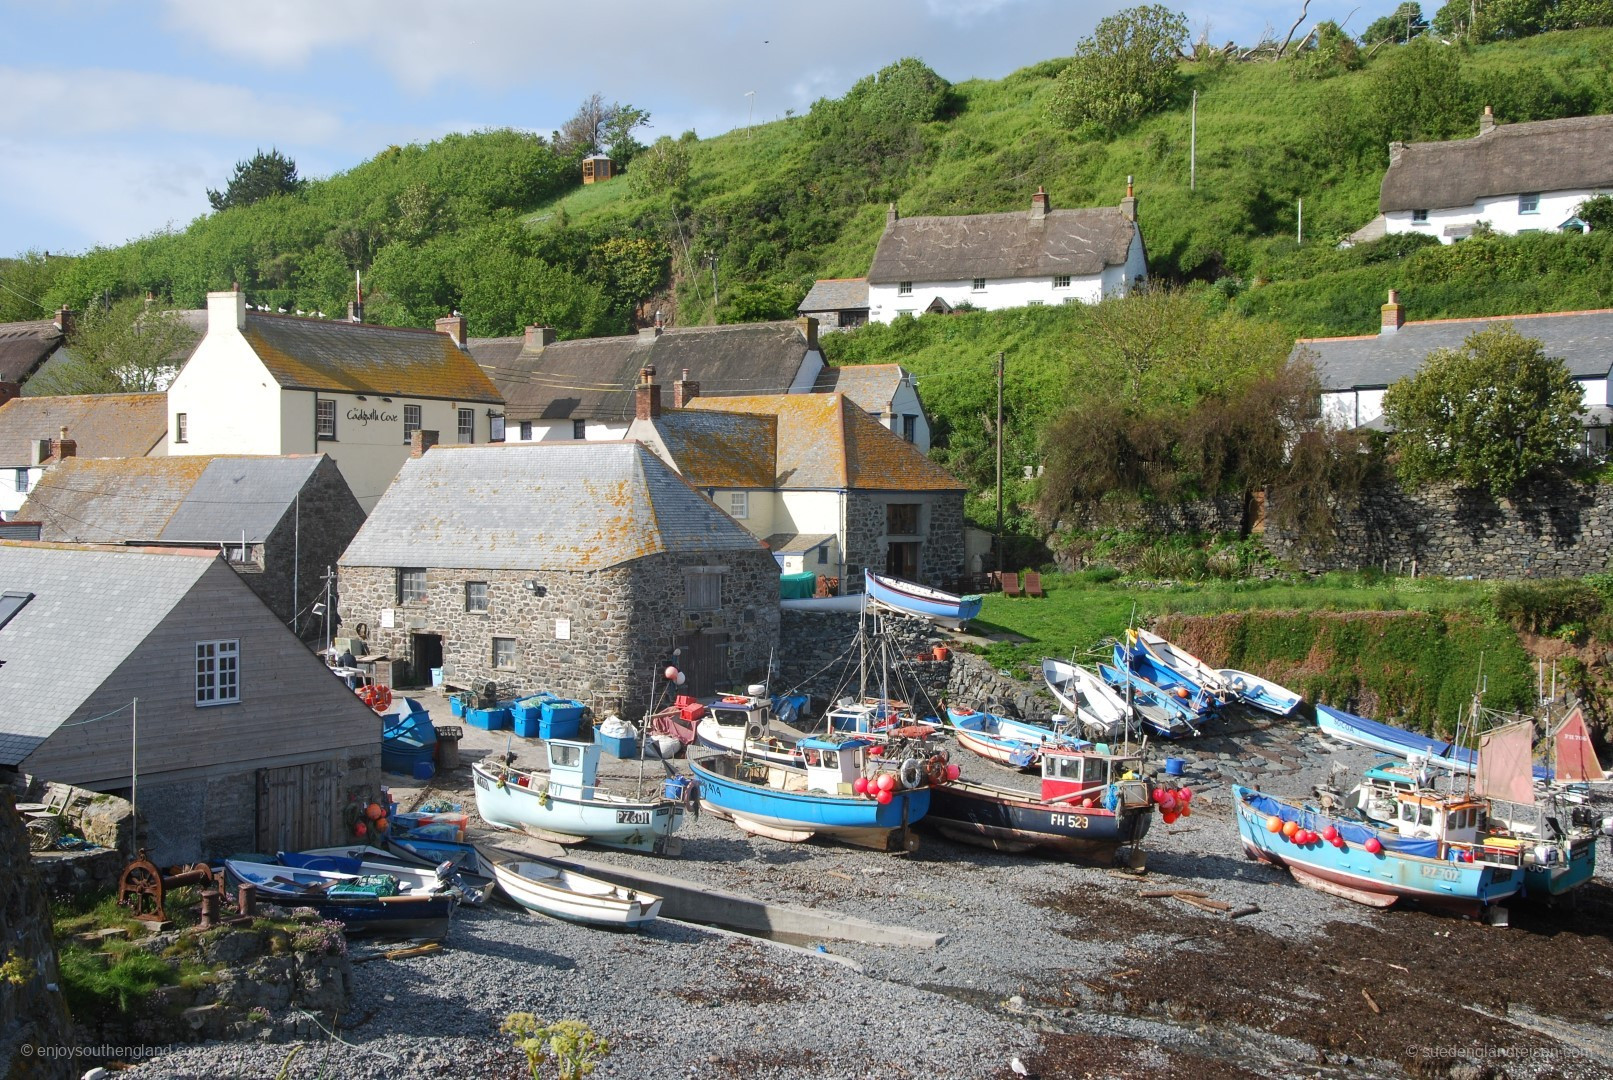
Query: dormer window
point(1419, 217)
point(1529, 203)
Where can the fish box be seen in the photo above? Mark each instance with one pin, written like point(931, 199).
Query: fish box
point(691, 712)
point(622, 746)
point(559, 729)
point(488, 719)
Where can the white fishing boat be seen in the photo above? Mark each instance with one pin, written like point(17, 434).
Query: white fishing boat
point(1262, 694)
point(566, 803)
point(566, 894)
point(1102, 712)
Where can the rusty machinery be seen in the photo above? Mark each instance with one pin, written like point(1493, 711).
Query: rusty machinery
point(143, 888)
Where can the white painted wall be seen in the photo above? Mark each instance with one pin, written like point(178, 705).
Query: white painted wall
point(905, 402)
point(1501, 211)
point(1352, 408)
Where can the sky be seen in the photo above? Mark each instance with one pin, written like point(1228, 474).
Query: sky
point(117, 116)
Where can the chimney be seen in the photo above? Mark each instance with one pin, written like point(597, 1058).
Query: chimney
point(809, 330)
point(64, 319)
point(1039, 203)
point(647, 334)
point(421, 440)
point(63, 447)
point(538, 338)
point(1128, 205)
point(647, 397)
point(454, 326)
point(684, 391)
point(1394, 314)
point(9, 390)
point(891, 216)
point(355, 311)
point(224, 308)
point(1396, 151)
point(1487, 121)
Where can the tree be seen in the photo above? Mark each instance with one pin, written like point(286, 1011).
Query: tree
point(265, 175)
point(127, 348)
point(1123, 72)
point(662, 169)
point(1597, 213)
point(596, 127)
point(1489, 414)
point(1405, 23)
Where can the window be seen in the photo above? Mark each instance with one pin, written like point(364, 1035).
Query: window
point(495, 428)
point(476, 596)
point(739, 504)
point(503, 652)
point(823, 554)
point(22, 480)
point(411, 422)
point(11, 603)
point(218, 672)
point(181, 427)
point(324, 418)
point(1061, 281)
point(526, 431)
point(1035, 303)
point(902, 519)
point(1071, 300)
point(1529, 203)
point(411, 585)
point(910, 426)
point(467, 425)
point(978, 285)
point(1419, 217)
point(702, 589)
point(904, 288)
point(579, 429)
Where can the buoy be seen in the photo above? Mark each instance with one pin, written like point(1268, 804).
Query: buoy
point(1184, 810)
point(679, 678)
point(885, 782)
point(361, 829)
point(884, 797)
point(671, 672)
point(1087, 801)
point(1331, 833)
point(1168, 803)
point(380, 823)
point(1170, 817)
point(1181, 692)
point(372, 811)
point(1373, 845)
point(1185, 794)
point(876, 751)
point(860, 785)
point(1274, 824)
point(1290, 828)
point(953, 772)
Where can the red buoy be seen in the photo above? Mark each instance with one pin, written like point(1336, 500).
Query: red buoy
point(885, 782)
point(860, 785)
point(1331, 833)
point(953, 772)
point(1373, 845)
point(884, 797)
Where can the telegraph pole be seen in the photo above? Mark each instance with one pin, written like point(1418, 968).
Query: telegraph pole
point(999, 463)
point(1193, 146)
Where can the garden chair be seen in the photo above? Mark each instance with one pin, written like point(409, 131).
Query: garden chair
point(1009, 582)
point(1033, 584)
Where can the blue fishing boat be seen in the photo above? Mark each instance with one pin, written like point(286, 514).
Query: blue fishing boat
point(822, 797)
point(914, 599)
point(1198, 702)
point(1359, 731)
point(364, 904)
point(1457, 870)
point(356, 859)
point(983, 733)
point(1182, 665)
point(1167, 715)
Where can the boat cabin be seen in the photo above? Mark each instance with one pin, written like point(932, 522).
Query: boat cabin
point(573, 767)
point(832, 767)
point(1086, 773)
point(868, 716)
point(1392, 797)
point(739, 712)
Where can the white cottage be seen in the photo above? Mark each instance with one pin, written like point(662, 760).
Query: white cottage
point(995, 261)
point(275, 384)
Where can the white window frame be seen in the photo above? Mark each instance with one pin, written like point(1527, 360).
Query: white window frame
point(1529, 202)
point(495, 428)
point(739, 505)
point(22, 481)
point(977, 285)
point(1061, 281)
point(466, 429)
point(904, 288)
point(411, 421)
point(526, 431)
point(325, 425)
point(405, 595)
point(511, 652)
point(702, 588)
point(1419, 217)
point(471, 598)
point(218, 672)
point(181, 427)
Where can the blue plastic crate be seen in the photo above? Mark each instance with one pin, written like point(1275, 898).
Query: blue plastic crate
point(568, 728)
point(622, 746)
point(488, 719)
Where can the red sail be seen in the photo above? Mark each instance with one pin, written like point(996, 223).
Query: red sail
point(1505, 766)
point(1576, 759)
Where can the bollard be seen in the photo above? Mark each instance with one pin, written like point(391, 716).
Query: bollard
point(246, 899)
point(210, 903)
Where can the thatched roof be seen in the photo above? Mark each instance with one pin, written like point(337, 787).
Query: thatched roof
point(1548, 155)
point(1017, 244)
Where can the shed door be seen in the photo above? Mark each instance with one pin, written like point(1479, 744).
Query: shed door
point(704, 659)
point(297, 807)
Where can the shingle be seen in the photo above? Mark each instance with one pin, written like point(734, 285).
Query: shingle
point(1546, 155)
point(91, 609)
point(995, 246)
point(796, 543)
point(1583, 340)
point(721, 450)
point(103, 425)
point(357, 358)
point(540, 506)
point(835, 294)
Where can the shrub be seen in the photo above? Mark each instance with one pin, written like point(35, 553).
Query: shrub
point(1546, 607)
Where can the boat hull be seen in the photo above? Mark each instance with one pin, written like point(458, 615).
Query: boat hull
point(574, 897)
point(794, 816)
point(425, 916)
point(1382, 879)
point(921, 600)
point(971, 730)
point(1085, 696)
point(1015, 821)
point(1548, 880)
point(632, 825)
point(1262, 694)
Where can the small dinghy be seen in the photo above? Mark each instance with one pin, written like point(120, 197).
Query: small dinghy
point(1082, 694)
point(565, 894)
point(370, 903)
point(1262, 694)
point(984, 734)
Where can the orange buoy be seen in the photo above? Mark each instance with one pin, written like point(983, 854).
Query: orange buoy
point(1290, 828)
point(1274, 824)
point(372, 811)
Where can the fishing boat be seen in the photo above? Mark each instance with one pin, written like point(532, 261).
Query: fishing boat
point(982, 733)
point(1102, 712)
point(1167, 715)
point(911, 598)
point(1455, 868)
point(364, 904)
point(1058, 730)
point(1091, 802)
point(565, 894)
point(1173, 658)
point(1262, 694)
point(828, 795)
point(470, 863)
point(1195, 701)
point(410, 871)
point(743, 721)
point(568, 803)
point(1386, 739)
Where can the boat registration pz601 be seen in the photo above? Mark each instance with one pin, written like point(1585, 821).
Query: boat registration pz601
point(632, 817)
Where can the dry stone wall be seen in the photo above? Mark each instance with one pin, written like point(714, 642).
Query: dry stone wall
point(32, 1011)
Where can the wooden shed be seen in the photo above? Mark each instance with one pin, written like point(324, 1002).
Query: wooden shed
point(597, 168)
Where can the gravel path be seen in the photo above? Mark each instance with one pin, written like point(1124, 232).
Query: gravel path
point(1022, 935)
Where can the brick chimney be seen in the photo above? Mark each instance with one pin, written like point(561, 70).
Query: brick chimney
point(421, 440)
point(1394, 314)
point(1397, 150)
point(454, 326)
point(809, 330)
point(1128, 205)
point(63, 447)
point(538, 338)
point(64, 319)
point(647, 397)
point(684, 391)
point(1486, 121)
point(1039, 203)
point(891, 216)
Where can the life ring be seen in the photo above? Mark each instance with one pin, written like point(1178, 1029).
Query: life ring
point(911, 773)
point(362, 630)
point(963, 710)
point(375, 696)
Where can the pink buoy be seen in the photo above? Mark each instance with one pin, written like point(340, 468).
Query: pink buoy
point(953, 772)
point(671, 673)
point(1185, 795)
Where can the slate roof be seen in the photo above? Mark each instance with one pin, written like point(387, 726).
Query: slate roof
point(358, 358)
point(796, 543)
point(171, 500)
point(593, 378)
point(835, 294)
point(576, 506)
point(720, 450)
point(825, 442)
point(91, 609)
point(1583, 340)
point(103, 425)
point(1009, 245)
point(870, 386)
point(1546, 155)
point(26, 345)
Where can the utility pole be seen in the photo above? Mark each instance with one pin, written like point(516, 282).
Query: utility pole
point(1299, 228)
point(1193, 146)
point(750, 113)
point(999, 463)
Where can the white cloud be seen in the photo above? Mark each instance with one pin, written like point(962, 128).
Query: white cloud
point(74, 103)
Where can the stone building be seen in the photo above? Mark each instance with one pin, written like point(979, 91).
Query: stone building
point(280, 522)
point(160, 664)
point(837, 303)
point(573, 567)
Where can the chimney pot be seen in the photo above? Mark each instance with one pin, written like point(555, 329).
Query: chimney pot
point(684, 391)
point(1394, 314)
point(422, 440)
point(538, 338)
point(1128, 205)
point(1486, 121)
point(454, 326)
point(63, 447)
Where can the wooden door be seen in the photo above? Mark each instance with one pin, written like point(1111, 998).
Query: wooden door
point(704, 660)
point(297, 807)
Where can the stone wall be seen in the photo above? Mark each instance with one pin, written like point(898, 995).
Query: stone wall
point(941, 529)
point(306, 542)
point(32, 1010)
point(976, 683)
point(621, 624)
